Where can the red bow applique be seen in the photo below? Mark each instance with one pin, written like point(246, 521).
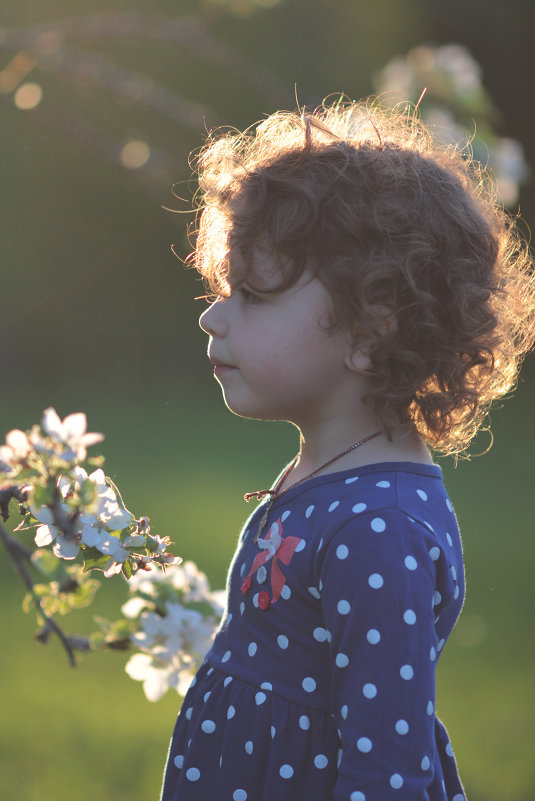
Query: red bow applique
point(274, 547)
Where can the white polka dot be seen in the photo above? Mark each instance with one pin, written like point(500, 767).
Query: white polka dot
point(333, 506)
point(206, 696)
point(383, 484)
point(282, 641)
point(432, 654)
point(285, 515)
point(434, 553)
point(321, 635)
point(304, 722)
point(320, 545)
point(406, 672)
point(453, 573)
point(456, 593)
point(409, 617)
point(179, 761)
point(252, 649)
point(422, 494)
point(309, 684)
point(226, 656)
point(425, 763)
point(230, 712)
point(344, 607)
point(242, 607)
point(309, 510)
point(437, 597)
point(209, 672)
point(342, 660)
point(458, 797)
point(255, 599)
point(189, 711)
point(430, 708)
point(239, 795)
point(193, 774)
point(449, 750)
point(411, 563)
point(373, 636)
point(342, 552)
point(249, 747)
point(376, 581)
point(364, 744)
point(429, 526)
point(344, 711)
point(378, 525)
point(220, 760)
point(369, 690)
point(396, 781)
point(450, 541)
point(357, 796)
point(227, 681)
point(273, 732)
point(208, 726)
point(314, 592)
point(260, 698)
point(359, 507)
point(286, 592)
point(321, 761)
point(351, 480)
point(301, 546)
point(286, 771)
point(261, 574)
point(266, 685)
point(402, 727)
point(242, 569)
point(339, 756)
point(441, 644)
point(448, 504)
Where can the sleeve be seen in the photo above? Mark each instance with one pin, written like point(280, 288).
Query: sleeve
point(377, 587)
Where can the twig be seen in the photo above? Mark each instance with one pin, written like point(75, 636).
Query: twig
point(19, 555)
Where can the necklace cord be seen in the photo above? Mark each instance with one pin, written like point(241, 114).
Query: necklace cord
point(274, 491)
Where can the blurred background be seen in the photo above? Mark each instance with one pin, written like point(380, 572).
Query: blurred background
point(101, 104)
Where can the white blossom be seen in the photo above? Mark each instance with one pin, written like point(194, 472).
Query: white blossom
point(70, 432)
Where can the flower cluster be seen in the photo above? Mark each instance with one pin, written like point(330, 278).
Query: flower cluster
point(176, 618)
point(454, 96)
point(76, 512)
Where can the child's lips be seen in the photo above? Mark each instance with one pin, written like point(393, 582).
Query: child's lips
point(221, 367)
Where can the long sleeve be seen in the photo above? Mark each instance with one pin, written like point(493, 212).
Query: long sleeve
point(378, 582)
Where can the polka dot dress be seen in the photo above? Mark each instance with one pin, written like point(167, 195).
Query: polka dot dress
point(320, 684)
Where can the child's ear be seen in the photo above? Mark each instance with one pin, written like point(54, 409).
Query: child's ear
point(359, 358)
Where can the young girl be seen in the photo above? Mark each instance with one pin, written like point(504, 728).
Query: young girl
point(368, 291)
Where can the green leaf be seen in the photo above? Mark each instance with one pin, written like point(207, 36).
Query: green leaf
point(127, 568)
point(48, 564)
point(93, 559)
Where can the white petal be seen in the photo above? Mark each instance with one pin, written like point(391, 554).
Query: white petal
point(113, 567)
point(52, 423)
point(133, 607)
point(91, 438)
point(74, 426)
point(91, 535)
point(133, 540)
point(155, 685)
point(64, 486)
point(18, 442)
point(43, 514)
point(118, 520)
point(45, 535)
point(138, 665)
point(65, 547)
point(98, 476)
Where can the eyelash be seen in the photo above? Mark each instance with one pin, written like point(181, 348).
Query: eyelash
point(247, 296)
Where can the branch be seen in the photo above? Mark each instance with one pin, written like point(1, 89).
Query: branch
point(20, 555)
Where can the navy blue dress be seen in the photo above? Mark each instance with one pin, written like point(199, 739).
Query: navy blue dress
point(320, 684)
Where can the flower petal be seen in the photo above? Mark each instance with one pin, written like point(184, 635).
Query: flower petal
point(18, 442)
point(52, 424)
point(74, 427)
point(65, 547)
point(43, 514)
point(45, 535)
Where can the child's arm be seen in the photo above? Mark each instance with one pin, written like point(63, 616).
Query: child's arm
point(378, 596)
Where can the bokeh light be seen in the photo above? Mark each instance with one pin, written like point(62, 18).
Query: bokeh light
point(135, 155)
point(28, 96)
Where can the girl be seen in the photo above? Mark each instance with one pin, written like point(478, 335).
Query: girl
point(368, 291)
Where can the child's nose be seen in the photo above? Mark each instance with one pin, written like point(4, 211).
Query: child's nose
point(212, 320)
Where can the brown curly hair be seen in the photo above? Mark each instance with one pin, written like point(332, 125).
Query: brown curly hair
point(388, 219)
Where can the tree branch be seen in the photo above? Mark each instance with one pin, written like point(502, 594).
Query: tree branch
point(20, 555)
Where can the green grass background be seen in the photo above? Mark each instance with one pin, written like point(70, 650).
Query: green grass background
point(89, 733)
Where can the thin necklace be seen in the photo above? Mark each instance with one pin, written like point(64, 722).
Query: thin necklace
point(275, 493)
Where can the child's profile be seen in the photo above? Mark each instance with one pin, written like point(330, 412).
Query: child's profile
point(367, 288)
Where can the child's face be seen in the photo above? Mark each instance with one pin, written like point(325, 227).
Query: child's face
point(272, 352)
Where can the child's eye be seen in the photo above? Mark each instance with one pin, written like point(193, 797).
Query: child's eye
point(247, 296)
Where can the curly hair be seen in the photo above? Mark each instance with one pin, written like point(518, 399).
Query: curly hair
point(390, 221)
